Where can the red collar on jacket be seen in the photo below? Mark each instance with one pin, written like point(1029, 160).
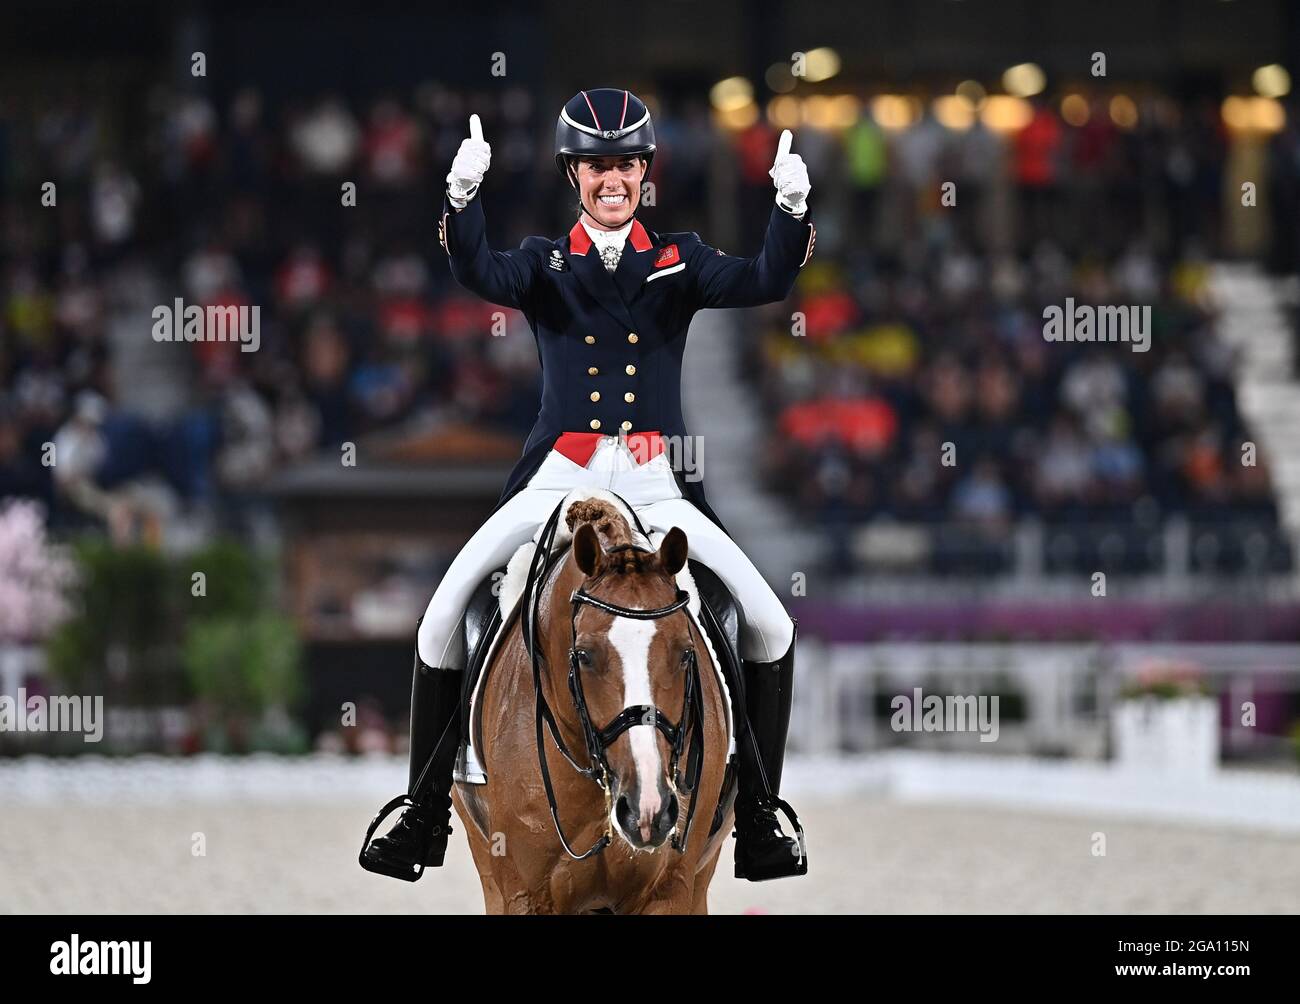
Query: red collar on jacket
point(580, 240)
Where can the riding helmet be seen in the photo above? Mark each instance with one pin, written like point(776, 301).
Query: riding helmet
point(605, 122)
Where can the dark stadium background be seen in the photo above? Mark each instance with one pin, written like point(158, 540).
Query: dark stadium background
point(922, 327)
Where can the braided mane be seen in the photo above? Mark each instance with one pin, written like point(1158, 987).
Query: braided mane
point(621, 557)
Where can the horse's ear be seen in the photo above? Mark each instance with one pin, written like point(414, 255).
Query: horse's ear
point(587, 550)
point(672, 552)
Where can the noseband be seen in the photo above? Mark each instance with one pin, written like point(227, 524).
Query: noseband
point(599, 740)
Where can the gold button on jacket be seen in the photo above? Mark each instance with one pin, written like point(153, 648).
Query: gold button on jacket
point(632, 337)
point(629, 397)
point(630, 370)
point(595, 395)
point(590, 339)
point(595, 423)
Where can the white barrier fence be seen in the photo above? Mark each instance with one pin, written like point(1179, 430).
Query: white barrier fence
point(1055, 699)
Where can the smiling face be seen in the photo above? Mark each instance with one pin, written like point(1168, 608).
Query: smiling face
point(610, 188)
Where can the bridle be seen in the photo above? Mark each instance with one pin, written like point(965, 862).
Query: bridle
point(599, 740)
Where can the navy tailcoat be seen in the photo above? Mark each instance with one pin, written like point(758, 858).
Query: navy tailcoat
point(611, 344)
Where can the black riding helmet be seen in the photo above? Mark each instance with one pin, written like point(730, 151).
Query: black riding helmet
point(605, 122)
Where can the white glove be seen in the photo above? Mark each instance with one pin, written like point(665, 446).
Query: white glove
point(790, 175)
point(469, 166)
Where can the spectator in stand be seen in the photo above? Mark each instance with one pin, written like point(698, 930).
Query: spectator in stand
point(983, 499)
point(1037, 164)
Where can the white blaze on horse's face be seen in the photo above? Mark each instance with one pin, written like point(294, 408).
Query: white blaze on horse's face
point(631, 639)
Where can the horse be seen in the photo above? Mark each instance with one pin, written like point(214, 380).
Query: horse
point(607, 653)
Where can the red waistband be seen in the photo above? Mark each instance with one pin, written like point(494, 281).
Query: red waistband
point(580, 447)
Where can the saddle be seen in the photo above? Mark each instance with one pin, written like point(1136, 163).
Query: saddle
point(483, 623)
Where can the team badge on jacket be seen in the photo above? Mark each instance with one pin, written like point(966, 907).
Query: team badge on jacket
point(557, 261)
point(667, 256)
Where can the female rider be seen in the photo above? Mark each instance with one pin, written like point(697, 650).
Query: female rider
point(609, 304)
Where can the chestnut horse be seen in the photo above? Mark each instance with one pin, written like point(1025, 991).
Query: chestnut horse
point(596, 812)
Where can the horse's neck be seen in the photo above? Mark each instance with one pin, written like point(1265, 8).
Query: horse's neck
point(554, 636)
point(555, 615)
point(554, 610)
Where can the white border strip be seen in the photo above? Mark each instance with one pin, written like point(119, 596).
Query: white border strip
point(668, 271)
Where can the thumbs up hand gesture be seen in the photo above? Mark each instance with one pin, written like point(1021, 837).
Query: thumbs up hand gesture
point(469, 166)
point(790, 175)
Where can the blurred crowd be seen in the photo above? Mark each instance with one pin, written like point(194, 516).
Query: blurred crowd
point(930, 394)
point(923, 325)
point(323, 214)
point(909, 379)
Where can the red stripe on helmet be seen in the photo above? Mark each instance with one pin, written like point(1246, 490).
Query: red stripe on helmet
point(592, 110)
point(623, 117)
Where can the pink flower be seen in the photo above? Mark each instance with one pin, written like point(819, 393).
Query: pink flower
point(33, 574)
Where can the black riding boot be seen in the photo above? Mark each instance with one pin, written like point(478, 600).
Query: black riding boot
point(419, 837)
point(763, 851)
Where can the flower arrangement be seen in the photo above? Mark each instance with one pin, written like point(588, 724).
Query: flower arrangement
point(34, 574)
point(1166, 680)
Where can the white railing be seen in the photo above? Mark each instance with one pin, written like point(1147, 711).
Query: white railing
point(1066, 690)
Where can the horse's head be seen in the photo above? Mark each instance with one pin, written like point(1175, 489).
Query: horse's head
point(645, 664)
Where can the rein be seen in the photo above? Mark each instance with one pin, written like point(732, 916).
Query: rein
point(598, 740)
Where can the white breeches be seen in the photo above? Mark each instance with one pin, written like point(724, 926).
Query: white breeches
point(651, 490)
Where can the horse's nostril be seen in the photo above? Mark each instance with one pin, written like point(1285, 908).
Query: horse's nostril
point(626, 817)
point(667, 815)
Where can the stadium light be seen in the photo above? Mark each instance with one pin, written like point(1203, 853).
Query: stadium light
point(1024, 80)
point(736, 118)
point(1004, 113)
point(1236, 113)
point(1123, 111)
point(954, 112)
point(1261, 115)
point(831, 111)
point(1075, 110)
point(894, 112)
point(821, 64)
point(731, 94)
point(784, 112)
point(1267, 115)
point(1271, 81)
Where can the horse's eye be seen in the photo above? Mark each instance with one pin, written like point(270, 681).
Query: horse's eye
point(584, 657)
